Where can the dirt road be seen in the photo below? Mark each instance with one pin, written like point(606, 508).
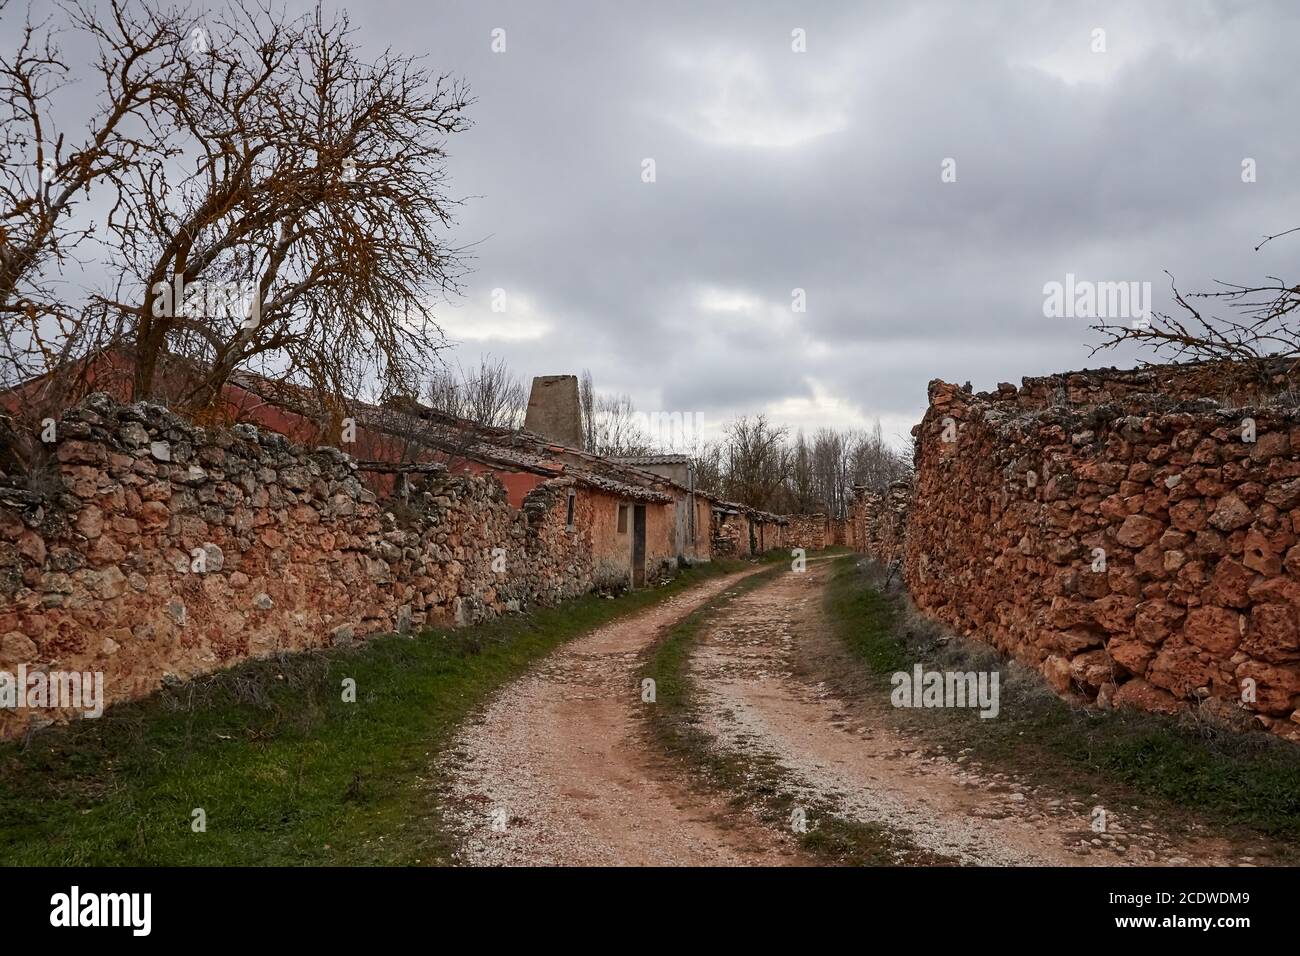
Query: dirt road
point(758, 667)
point(559, 770)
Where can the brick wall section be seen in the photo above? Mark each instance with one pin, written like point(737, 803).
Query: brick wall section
point(1136, 550)
point(96, 571)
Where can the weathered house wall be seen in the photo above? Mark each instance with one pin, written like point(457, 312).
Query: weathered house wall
point(1134, 546)
point(729, 532)
point(612, 549)
point(702, 548)
point(162, 549)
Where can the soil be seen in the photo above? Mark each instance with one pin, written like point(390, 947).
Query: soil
point(559, 769)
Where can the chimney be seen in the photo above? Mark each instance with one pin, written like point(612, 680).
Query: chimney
point(554, 411)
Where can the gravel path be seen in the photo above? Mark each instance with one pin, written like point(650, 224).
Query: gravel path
point(559, 769)
point(757, 698)
point(556, 772)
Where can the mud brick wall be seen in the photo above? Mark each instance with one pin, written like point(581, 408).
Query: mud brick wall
point(98, 567)
point(1131, 545)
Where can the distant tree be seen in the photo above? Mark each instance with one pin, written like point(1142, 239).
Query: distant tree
point(757, 462)
point(873, 463)
point(803, 490)
point(489, 395)
point(610, 424)
point(707, 466)
point(816, 477)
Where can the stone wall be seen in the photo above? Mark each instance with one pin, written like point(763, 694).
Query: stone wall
point(729, 535)
point(157, 549)
point(878, 523)
point(1132, 543)
point(807, 531)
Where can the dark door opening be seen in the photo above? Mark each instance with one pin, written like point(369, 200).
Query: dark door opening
point(638, 546)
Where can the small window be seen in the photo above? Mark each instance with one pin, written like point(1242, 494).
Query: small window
point(622, 519)
point(568, 518)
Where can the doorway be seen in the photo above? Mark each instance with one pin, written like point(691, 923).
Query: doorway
point(638, 546)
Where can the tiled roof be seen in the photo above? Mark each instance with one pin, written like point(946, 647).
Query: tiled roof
point(495, 447)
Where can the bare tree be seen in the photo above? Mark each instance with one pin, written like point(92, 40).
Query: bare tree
point(610, 424)
point(757, 462)
point(494, 395)
point(755, 465)
point(1260, 329)
point(305, 240)
point(49, 167)
point(707, 466)
point(42, 173)
point(803, 493)
point(489, 395)
point(873, 463)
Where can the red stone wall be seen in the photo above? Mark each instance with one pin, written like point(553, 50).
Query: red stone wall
point(807, 531)
point(1137, 551)
point(878, 522)
point(98, 568)
point(815, 532)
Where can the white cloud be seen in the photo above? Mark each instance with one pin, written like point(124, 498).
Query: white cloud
point(474, 320)
point(740, 104)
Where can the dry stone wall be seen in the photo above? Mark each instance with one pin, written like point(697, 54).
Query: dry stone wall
point(807, 532)
point(879, 521)
point(1137, 546)
point(160, 550)
point(815, 532)
point(729, 535)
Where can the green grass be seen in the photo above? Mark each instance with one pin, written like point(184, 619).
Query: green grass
point(1241, 779)
point(287, 773)
point(754, 780)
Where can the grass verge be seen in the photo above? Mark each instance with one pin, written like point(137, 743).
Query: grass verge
point(285, 771)
point(1231, 778)
point(755, 781)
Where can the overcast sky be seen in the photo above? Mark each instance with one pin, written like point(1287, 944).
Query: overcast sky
point(821, 170)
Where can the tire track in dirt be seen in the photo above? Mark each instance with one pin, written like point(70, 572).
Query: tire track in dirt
point(756, 697)
point(556, 771)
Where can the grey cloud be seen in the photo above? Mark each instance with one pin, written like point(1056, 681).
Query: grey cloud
point(907, 278)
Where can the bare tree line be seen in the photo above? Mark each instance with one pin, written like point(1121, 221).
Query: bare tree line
point(757, 464)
